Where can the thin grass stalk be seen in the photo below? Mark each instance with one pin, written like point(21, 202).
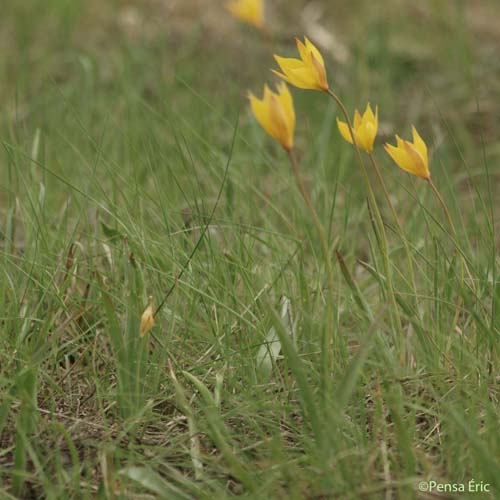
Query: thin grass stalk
point(454, 231)
point(317, 222)
point(463, 264)
point(328, 338)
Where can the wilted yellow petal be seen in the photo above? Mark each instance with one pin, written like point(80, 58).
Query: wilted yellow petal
point(147, 318)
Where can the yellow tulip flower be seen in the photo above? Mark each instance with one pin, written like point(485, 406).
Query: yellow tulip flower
point(412, 157)
point(365, 129)
point(275, 114)
point(147, 318)
point(308, 72)
point(248, 11)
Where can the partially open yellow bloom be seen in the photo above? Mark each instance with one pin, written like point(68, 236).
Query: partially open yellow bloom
point(275, 114)
point(412, 157)
point(364, 128)
point(248, 11)
point(147, 318)
point(308, 72)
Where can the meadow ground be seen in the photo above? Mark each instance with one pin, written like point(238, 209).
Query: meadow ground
point(126, 136)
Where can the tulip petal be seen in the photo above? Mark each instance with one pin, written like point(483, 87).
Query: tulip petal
point(316, 53)
point(365, 136)
point(275, 114)
point(249, 11)
point(288, 62)
point(320, 73)
point(419, 143)
point(303, 78)
point(286, 101)
point(281, 129)
point(308, 72)
point(357, 119)
point(400, 157)
point(344, 131)
point(303, 51)
point(260, 110)
point(368, 114)
point(297, 73)
point(282, 76)
point(419, 164)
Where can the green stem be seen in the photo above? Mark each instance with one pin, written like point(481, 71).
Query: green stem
point(398, 223)
point(317, 222)
point(443, 206)
point(463, 264)
point(329, 333)
point(378, 217)
point(454, 231)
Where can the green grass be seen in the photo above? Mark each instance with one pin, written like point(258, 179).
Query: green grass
point(125, 138)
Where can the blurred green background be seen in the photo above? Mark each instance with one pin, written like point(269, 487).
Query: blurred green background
point(117, 123)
